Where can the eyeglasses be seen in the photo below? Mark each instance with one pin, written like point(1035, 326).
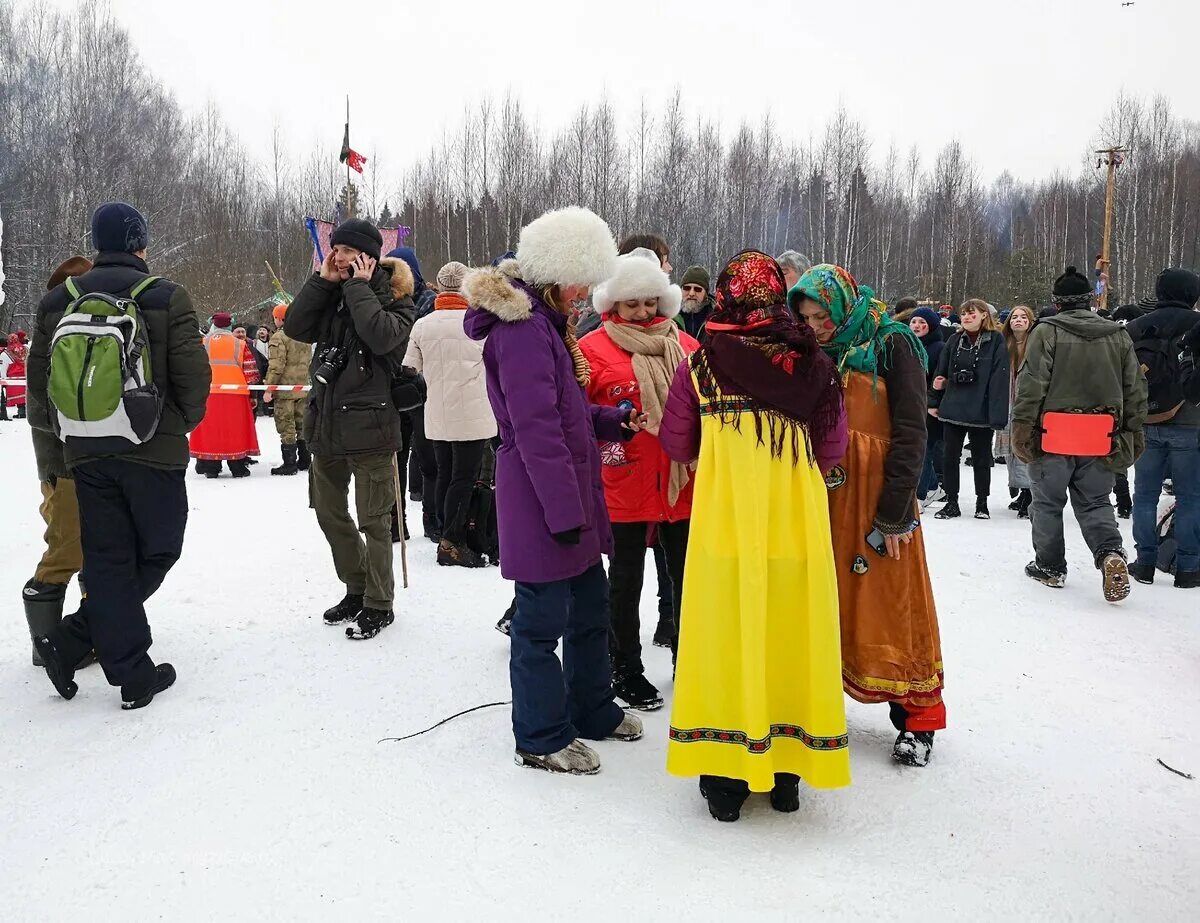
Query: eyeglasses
point(699, 289)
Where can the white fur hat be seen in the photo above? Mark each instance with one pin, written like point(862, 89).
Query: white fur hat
point(637, 277)
point(570, 246)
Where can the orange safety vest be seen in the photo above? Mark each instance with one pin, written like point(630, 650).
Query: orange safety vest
point(226, 353)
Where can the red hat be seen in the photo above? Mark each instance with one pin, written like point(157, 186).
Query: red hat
point(222, 319)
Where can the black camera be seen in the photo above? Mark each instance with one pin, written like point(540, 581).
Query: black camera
point(333, 361)
point(964, 377)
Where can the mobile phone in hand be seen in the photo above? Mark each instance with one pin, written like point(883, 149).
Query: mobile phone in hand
point(877, 542)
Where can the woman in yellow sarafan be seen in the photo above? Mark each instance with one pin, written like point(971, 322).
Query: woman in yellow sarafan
point(758, 691)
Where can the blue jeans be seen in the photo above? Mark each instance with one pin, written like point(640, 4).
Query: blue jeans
point(1171, 451)
point(555, 703)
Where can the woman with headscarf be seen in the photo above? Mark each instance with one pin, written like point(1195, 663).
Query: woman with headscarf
point(227, 433)
point(549, 500)
point(758, 702)
point(1017, 327)
point(891, 648)
point(16, 356)
point(927, 325)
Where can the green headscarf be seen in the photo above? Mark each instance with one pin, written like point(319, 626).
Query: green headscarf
point(863, 324)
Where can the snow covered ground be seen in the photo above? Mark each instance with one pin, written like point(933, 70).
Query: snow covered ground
point(257, 787)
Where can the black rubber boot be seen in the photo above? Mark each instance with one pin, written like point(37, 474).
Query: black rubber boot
point(240, 468)
point(725, 797)
point(289, 466)
point(210, 469)
point(303, 456)
point(43, 610)
point(785, 796)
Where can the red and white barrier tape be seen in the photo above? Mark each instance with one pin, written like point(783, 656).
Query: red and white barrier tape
point(22, 383)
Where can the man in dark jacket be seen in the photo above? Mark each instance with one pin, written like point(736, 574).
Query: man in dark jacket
point(132, 502)
point(697, 302)
point(1078, 363)
point(359, 311)
point(1172, 445)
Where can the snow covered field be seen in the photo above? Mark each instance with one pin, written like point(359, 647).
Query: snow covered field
point(257, 787)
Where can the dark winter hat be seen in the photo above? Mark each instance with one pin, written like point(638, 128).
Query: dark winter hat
point(696, 275)
point(75, 266)
point(222, 319)
point(409, 255)
point(359, 234)
point(1179, 288)
point(933, 319)
point(1073, 289)
point(1128, 312)
point(119, 228)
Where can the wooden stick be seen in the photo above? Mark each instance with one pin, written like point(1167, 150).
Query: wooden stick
point(400, 520)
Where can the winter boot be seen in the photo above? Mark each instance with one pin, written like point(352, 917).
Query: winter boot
point(1045, 577)
point(1144, 573)
point(785, 796)
point(433, 530)
point(637, 692)
point(139, 695)
point(1116, 577)
point(628, 730)
point(370, 623)
point(1187, 579)
point(576, 758)
point(1124, 501)
point(345, 611)
point(949, 511)
point(43, 610)
point(289, 466)
point(725, 797)
point(240, 468)
point(397, 525)
point(451, 555)
point(913, 748)
point(504, 626)
point(664, 634)
point(1024, 498)
point(61, 674)
point(210, 469)
point(981, 509)
point(303, 456)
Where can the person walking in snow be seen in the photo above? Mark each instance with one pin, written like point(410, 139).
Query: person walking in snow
point(891, 640)
point(359, 311)
point(458, 417)
point(132, 497)
point(634, 355)
point(1078, 417)
point(553, 523)
point(1017, 327)
point(758, 408)
point(227, 433)
point(287, 364)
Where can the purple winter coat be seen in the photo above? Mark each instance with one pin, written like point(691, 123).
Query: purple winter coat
point(548, 464)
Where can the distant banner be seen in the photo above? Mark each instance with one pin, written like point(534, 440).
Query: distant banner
point(320, 232)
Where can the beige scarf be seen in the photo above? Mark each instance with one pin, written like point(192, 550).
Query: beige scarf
point(657, 355)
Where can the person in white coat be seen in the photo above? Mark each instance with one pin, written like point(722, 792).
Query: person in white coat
point(458, 416)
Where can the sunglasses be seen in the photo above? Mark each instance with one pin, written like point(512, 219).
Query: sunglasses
point(693, 288)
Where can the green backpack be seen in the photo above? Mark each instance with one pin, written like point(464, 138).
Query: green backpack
point(101, 388)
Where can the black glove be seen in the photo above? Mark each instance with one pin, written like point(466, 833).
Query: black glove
point(570, 537)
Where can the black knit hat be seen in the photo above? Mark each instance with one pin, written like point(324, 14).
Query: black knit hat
point(119, 228)
point(1178, 287)
point(1072, 289)
point(359, 234)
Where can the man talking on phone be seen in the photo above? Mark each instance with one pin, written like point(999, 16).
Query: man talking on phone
point(359, 311)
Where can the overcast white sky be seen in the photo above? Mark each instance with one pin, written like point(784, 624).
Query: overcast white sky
point(1022, 83)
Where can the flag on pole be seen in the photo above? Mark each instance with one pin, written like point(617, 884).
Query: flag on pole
point(350, 157)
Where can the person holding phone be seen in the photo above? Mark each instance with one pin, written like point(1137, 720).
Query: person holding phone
point(891, 646)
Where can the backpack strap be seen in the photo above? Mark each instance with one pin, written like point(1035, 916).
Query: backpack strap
point(73, 289)
point(138, 290)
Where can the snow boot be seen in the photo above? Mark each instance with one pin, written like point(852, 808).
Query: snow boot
point(1144, 573)
point(433, 531)
point(210, 469)
point(370, 623)
point(576, 758)
point(1187, 579)
point(1124, 501)
point(61, 674)
point(1116, 577)
point(636, 691)
point(303, 456)
point(397, 525)
point(345, 611)
point(981, 510)
point(240, 468)
point(785, 796)
point(949, 511)
point(452, 555)
point(139, 695)
point(289, 466)
point(43, 610)
point(913, 748)
point(664, 634)
point(1049, 578)
point(630, 729)
point(1024, 498)
point(504, 626)
point(725, 797)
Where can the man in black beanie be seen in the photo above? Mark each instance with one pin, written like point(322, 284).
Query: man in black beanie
point(359, 311)
point(1079, 367)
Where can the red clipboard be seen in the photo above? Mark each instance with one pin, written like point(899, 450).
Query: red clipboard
point(1085, 434)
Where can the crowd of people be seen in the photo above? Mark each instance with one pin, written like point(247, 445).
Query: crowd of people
point(770, 438)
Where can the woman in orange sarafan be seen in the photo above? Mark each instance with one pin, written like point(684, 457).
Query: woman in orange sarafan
point(227, 432)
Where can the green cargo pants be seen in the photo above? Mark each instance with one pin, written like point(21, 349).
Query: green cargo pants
point(364, 567)
point(289, 417)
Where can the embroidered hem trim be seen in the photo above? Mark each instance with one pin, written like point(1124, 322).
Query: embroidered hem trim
point(874, 689)
point(758, 745)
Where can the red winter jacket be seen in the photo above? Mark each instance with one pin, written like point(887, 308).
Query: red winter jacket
point(636, 473)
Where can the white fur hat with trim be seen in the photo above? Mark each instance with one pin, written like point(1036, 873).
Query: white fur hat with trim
point(638, 277)
point(570, 246)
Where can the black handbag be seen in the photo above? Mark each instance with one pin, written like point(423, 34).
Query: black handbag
point(409, 390)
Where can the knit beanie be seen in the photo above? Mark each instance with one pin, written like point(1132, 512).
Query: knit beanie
point(74, 266)
point(359, 234)
point(450, 277)
point(222, 319)
point(1072, 289)
point(119, 228)
point(279, 311)
point(696, 275)
point(409, 255)
point(1178, 287)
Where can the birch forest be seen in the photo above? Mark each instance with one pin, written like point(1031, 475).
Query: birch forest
point(82, 121)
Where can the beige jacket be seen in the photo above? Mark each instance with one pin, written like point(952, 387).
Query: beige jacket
point(457, 408)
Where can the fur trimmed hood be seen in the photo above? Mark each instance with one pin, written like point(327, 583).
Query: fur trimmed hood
point(491, 289)
point(403, 284)
point(637, 277)
point(570, 246)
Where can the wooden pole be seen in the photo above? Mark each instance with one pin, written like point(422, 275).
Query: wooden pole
point(349, 198)
point(400, 519)
point(1112, 158)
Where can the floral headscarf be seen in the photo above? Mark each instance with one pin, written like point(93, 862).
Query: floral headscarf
point(863, 325)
